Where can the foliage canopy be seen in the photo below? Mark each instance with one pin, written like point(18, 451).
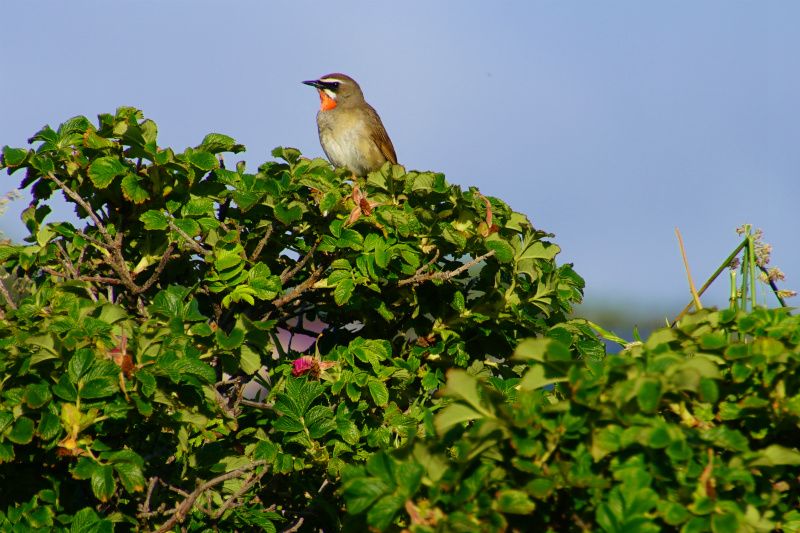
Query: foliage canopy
point(128, 338)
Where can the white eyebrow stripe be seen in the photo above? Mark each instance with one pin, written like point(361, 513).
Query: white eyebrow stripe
point(330, 80)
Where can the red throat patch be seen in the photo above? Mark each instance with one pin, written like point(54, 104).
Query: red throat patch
point(326, 103)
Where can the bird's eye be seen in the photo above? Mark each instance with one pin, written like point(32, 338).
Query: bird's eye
point(335, 85)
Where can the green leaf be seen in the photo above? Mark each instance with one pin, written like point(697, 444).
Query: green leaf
point(154, 220)
point(103, 483)
point(231, 341)
point(217, 142)
point(102, 171)
point(250, 360)
point(503, 251)
point(198, 206)
point(775, 455)
point(204, 160)
point(99, 388)
point(288, 214)
point(79, 364)
point(131, 476)
point(132, 189)
point(361, 493)
point(649, 394)
point(22, 432)
point(379, 392)
point(343, 291)
point(36, 395)
point(13, 157)
point(513, 501)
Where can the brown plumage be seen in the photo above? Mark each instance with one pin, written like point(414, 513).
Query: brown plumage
point(350, 131)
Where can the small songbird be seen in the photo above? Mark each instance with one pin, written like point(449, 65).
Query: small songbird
point(350, 131)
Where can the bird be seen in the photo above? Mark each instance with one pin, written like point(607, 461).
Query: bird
point(350, 131)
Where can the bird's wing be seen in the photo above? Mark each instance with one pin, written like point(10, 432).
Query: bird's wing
point(381, 139)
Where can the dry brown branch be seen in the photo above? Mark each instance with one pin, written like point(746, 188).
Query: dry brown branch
point(81, 202)
point(6, 294)
point(192, 243)
point(296, 526)
point(160, 268)
point(151, 485)
point(289, 273)
point(444, 276)
point(261, 243)
point(186, 505)
point(94, 279)
point(251, 480)
point(257, 405)
point(299, 289)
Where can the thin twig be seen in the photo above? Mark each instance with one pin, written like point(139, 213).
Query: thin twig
point(160, 268)
point(289, 273)
point(300, 289)
point(695, 297)
point(193, 243)
point(725, 264)
point(251, 480)
point(446, 275)
point(94, 279)
point(261, 243)
point(6, 294)
point(145, 507)
point(187, 504)
point(295, 527)
point(258, 405)
point(427, 265)
point(81, 202)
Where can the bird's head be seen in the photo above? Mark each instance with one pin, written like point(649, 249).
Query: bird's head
point(336, 90)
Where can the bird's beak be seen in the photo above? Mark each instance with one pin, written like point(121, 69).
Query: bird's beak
point(319, 84)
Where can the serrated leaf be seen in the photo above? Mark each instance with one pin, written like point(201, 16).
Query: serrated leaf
point(250, 360)
point(154, 220)
point(503, 251)
point(379, 392)
point(22, 432)
point(102, 171)
point(204, 160)
point(13, 157)
point(133, 191)
point(131, 476)
point(103, 483)
point(343, 291)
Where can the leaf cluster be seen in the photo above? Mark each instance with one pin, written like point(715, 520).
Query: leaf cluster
point(149, 348)
point(696, 429)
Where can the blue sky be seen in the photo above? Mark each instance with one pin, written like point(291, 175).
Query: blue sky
point(607, 123)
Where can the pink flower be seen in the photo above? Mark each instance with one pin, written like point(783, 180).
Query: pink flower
point(302, 365)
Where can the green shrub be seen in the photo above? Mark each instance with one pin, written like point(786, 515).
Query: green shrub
point(695, 429)
point(127, 338)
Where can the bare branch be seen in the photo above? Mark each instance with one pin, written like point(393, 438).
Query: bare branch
point(160, 268)
point(81, 202)
point(6, 294)
point(186, 505)
point(427, 265)
point(295, 527)
point(93, 279)
point(251, 480)
point(261, 243)
point(193, 243)
point(288, 274)
point(145, 507)
point(446, 275)
point(299, 289)
point(258, 405)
